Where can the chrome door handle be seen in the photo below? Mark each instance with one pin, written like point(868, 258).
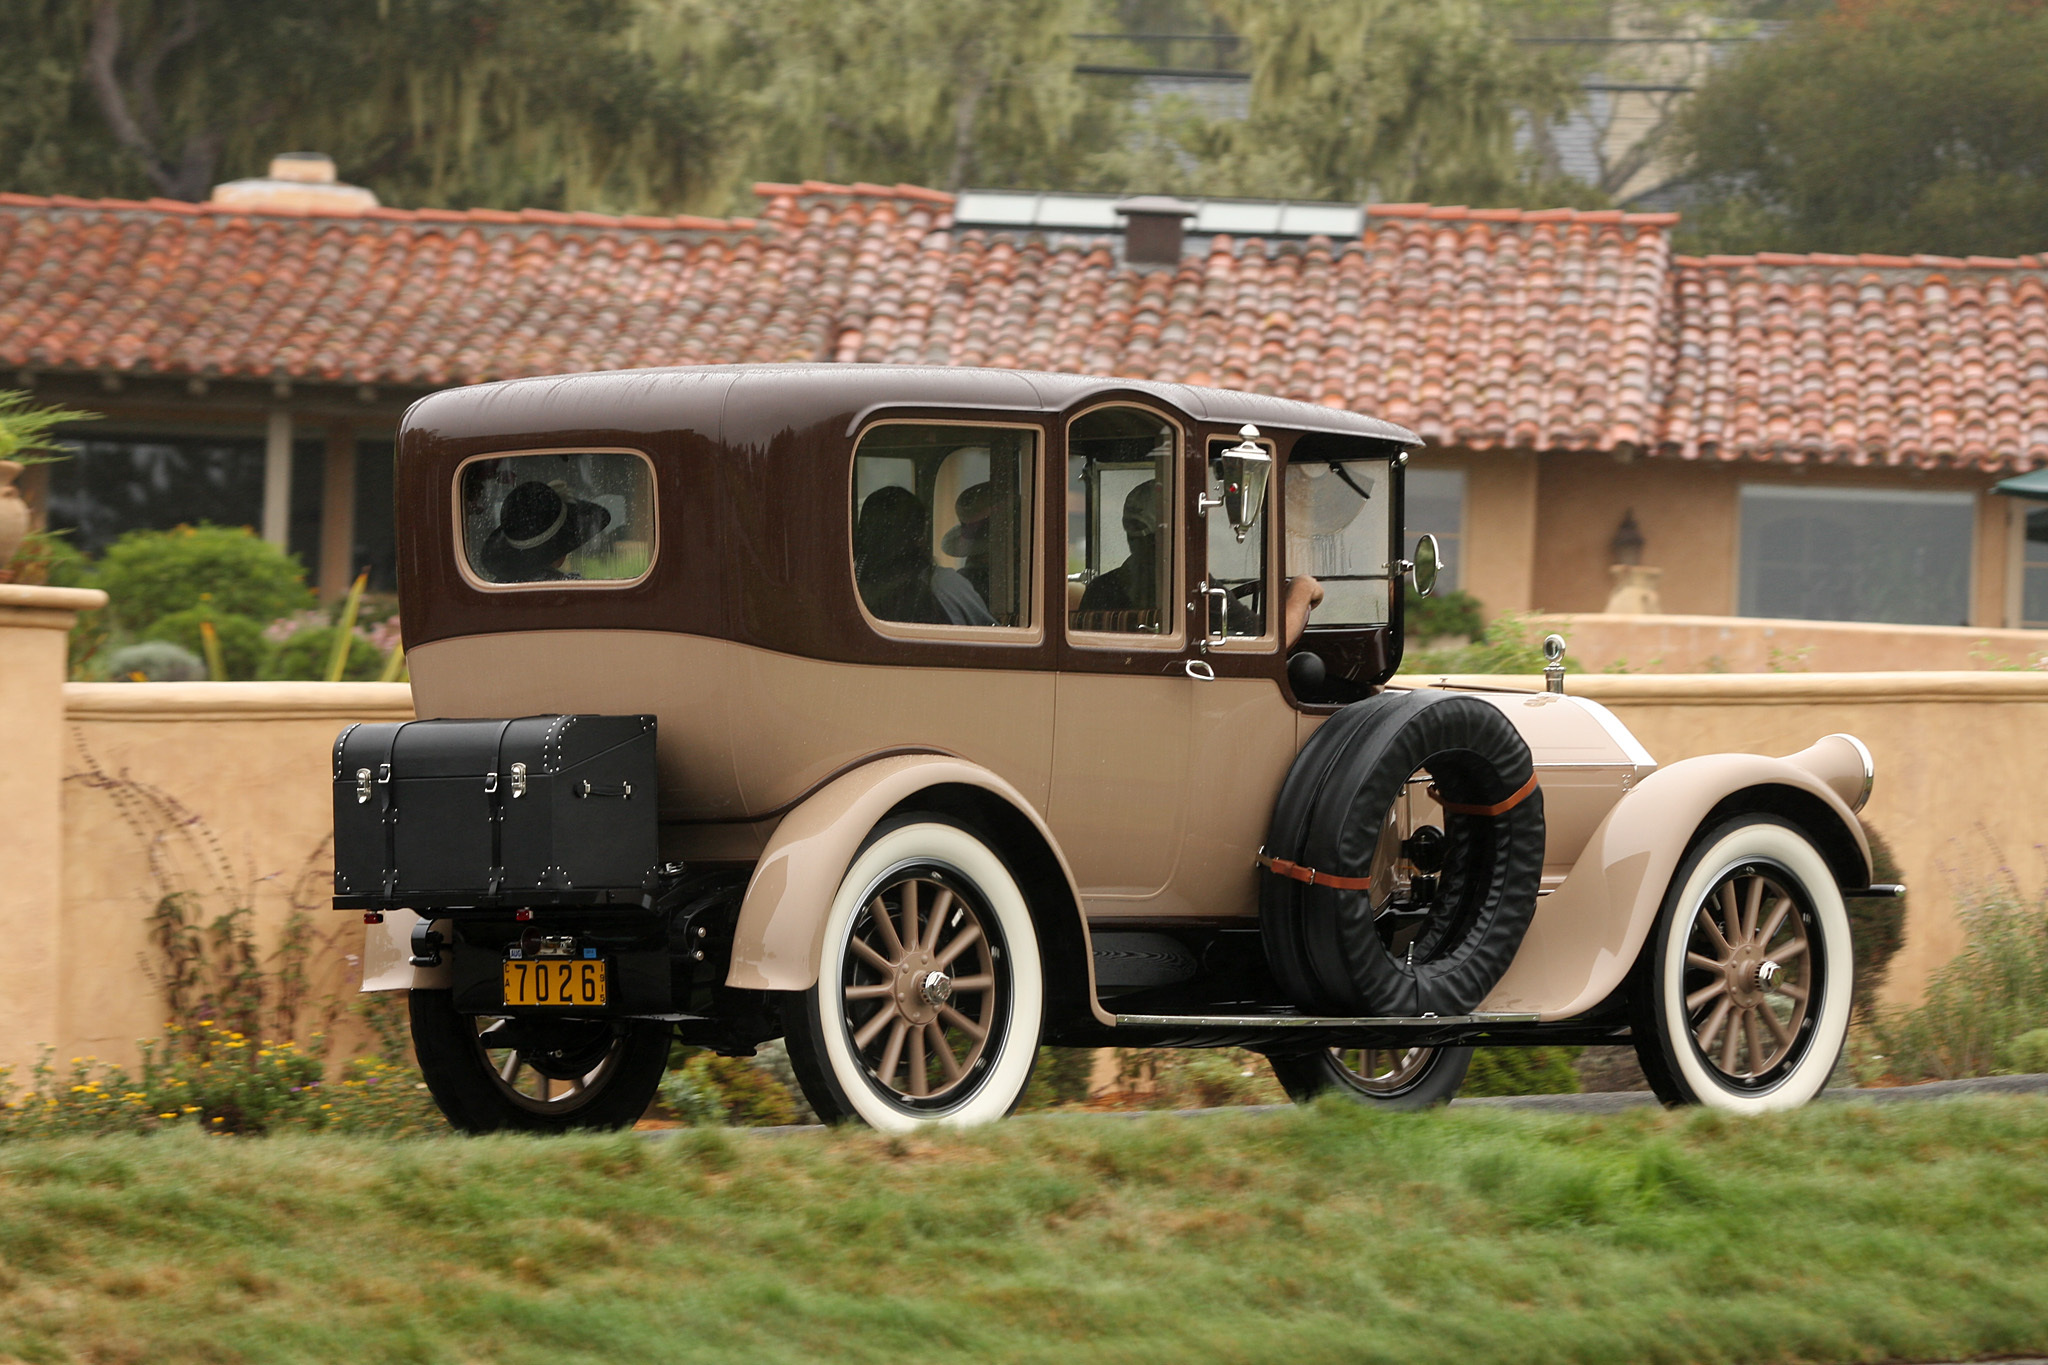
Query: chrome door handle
point(1199, 670)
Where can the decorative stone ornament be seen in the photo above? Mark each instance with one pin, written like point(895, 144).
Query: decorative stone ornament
point(14, 518)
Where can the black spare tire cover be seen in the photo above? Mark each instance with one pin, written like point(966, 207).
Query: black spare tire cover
point(1323, 943)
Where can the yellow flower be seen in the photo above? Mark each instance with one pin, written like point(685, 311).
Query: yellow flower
point(167, 1116)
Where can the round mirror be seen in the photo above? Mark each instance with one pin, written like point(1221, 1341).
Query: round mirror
point(1427, 562)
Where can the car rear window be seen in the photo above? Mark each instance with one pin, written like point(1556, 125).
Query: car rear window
point(583, 516)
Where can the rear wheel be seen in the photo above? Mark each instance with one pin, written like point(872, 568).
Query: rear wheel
point(524, 1074)
point(929, 994)
point(1381, 1078)
point(1741, 1001)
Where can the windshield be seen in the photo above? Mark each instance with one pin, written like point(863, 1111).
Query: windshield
point(1338, 516)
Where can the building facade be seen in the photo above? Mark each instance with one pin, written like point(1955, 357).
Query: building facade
point(1777, 436)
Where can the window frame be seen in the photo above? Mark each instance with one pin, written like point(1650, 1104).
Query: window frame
point(1175, 641)
point(461, 544)
point(1395, 516)
point(1033, 630)
point(1273, 570)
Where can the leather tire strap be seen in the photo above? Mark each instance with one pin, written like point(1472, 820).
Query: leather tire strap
point(1520, 795)
point(1280, 867)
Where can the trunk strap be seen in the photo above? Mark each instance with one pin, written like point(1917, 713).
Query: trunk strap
point(1520, 794)
point(1281, 867)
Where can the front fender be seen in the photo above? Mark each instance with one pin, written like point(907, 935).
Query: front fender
point(777, 941)
point(1587, 933)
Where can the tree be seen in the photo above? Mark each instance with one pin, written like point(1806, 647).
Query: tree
point(453, 102)
point(1350, 99)
point(1888, 126)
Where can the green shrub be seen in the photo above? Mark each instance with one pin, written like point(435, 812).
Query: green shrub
point(150, 574)
point(1060, 1076)
point(242, 646)
point(1979, 1006)
point(1511, 643)
point(1442, 615)
point(155, 661)
point(1877, 926)
point(1522, 1071)
point(2027, 1055)
point(749, 1095)
point(1195, 1078)
point(304, 657)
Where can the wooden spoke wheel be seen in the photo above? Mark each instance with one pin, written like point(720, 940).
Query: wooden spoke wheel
point(1380, 1078)
point(1741, 1000)
point(930, 992)
point(1749, 973)
point(923, 985)
point(490, 1073)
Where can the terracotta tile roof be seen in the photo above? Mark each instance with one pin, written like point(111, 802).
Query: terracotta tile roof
point(1552, 329)
point(1921, 360)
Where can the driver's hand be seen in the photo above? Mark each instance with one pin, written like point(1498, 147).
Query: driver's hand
point(1304, 595)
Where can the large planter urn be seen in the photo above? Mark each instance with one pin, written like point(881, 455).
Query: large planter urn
point(13, 512)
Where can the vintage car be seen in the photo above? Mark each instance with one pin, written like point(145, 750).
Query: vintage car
point(924, 716)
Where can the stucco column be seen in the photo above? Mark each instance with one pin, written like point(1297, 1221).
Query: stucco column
point(33, 622)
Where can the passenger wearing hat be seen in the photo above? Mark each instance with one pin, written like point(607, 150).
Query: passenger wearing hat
point(1134, 584)
point(969, 541)
point(539, 526)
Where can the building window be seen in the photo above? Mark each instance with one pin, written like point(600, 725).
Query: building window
point(1856, 554)
point(1436, 507)
point(2034, 570)
point(113, 484)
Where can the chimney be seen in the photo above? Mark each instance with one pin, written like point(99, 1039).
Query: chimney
point(1154, 228)
point(298, 180)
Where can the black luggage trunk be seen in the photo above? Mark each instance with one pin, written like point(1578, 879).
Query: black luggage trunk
point(544, 810)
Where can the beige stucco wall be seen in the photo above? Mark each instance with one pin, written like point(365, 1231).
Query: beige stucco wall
point(1958, 794)
point(1689, 514)
point(1498, 555)
point(219, 790)
point(1742, 644)
point(117, 792)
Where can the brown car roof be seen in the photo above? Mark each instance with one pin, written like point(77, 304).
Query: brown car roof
point(727, 403)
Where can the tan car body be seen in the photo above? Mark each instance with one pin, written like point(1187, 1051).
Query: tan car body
point(1136, 794)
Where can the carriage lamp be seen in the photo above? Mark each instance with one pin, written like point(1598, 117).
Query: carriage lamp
point(1244, 470)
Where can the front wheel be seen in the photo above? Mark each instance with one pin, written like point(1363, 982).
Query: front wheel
point(493, 1074)
point(1741, 1001)
point(1394, 1079)
point(930, 992)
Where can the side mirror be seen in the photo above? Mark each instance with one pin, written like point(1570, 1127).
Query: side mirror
point(1428, 560)
point(1245, 469)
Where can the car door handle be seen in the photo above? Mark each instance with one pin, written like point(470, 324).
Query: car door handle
point(1199, 670)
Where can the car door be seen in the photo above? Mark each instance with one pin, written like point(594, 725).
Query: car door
point(1123, 708)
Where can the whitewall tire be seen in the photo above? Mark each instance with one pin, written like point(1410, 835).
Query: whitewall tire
point(930, 992)
point(1742, 1002)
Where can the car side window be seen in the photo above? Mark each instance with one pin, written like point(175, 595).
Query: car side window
point(941, 523)
point(1120, 522)
point(1238, 601)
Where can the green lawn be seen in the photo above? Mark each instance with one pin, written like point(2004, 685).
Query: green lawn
point(1843, 1232)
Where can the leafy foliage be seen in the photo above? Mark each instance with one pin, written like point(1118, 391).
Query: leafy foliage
point(1980, 1005)
point(1442, 615)
point(1511, 643)
point(155, 661)
point(305, 656)
point(242, 645)
point(150, 574)
point(1885, 126)
point(1522, 1071)
point(1877, 925)
point(25, 428)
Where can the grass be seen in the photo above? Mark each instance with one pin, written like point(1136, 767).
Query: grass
point(1839, 1232)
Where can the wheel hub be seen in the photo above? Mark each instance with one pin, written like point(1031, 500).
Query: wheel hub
point(917, 998)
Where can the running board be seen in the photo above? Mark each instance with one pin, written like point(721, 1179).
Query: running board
point(1263, 1021)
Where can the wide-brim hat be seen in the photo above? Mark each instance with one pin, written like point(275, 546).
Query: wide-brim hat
point(972, 507)
point(538, 523)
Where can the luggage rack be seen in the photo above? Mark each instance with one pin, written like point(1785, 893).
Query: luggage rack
point(1317, 1021)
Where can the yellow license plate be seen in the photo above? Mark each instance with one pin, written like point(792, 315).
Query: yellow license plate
point(561, 983)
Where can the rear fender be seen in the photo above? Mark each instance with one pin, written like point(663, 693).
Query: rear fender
point(387, 957)
point(779, 937)
point(1588, 933)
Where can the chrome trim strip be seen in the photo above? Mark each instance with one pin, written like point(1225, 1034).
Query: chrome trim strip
point(1869, 769)
point(1258, 1021)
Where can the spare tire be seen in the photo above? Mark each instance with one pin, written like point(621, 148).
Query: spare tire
point(1332, 946)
